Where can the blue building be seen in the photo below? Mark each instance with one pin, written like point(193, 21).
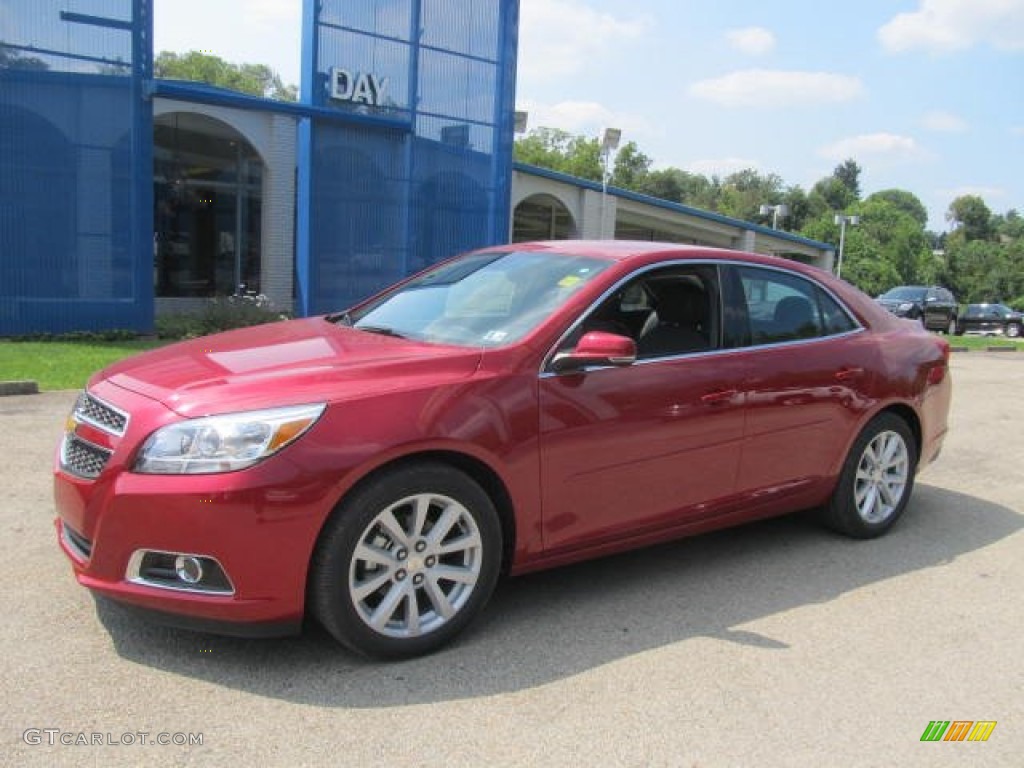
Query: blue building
point(123, 197)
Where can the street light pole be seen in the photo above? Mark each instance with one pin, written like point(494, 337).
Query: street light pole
point(609, 143)
point(776, 211)
point(842, 221)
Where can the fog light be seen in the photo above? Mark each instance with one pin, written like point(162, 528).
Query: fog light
point(188, 569)
point(178, 571)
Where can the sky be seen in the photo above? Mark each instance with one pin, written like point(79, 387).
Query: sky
point(925, 95)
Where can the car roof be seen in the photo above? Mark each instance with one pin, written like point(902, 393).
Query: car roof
point(643, 250)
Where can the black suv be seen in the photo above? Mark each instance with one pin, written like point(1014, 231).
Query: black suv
point(935, 307)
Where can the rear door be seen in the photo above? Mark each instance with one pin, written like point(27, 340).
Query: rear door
point(808, 366)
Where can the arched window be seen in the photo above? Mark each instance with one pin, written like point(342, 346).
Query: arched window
point(542, 217)
point(207, 193)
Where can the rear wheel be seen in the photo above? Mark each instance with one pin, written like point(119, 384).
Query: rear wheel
point(951, 327)
point(406, 561)
point(877, 479)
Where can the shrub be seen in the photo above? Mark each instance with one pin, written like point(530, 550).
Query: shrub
point(221, 314)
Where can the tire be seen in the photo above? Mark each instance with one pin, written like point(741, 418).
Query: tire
point(406, 561)
point(951, 326)
point(876, 481)
point(1013, 330)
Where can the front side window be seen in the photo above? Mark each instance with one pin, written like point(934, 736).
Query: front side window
point(781, 307)
point(667, 312)
point(481, 299)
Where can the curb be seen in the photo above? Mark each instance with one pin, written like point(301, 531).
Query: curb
point(986, 349)
point(18, 388)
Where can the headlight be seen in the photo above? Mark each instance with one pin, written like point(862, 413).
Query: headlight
point(224, 443)
point(906, 306)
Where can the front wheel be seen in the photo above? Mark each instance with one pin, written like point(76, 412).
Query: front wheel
point(406, 561)
point(876, 481)
point(1013, 330)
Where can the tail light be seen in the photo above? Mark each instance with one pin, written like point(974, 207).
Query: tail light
point(937, 372)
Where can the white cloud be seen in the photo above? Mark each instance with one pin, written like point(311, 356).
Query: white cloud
point(943, 26)
point(586, 118)
point(722, 166)
point(778, 88)
point(269, 11)
point(944, 122)
point(753, 41)
point(986, 193)
point(561, 37)
point(879, 146)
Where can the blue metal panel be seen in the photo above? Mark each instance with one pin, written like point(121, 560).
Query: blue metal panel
point(463, 26)
point(383, 203)
point(75, 167)
point(382, 18)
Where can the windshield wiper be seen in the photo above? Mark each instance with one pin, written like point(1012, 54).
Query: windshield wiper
point(382, 330)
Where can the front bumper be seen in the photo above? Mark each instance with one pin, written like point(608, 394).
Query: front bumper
point(258, 525)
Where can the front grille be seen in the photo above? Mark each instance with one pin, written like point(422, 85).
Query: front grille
point(76, 542)
point(100, 415)
point(81, 458)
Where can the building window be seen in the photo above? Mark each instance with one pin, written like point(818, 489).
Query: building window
point(542, 217)
point(207, 191)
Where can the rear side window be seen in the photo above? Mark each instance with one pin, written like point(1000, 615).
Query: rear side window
point(781, 307)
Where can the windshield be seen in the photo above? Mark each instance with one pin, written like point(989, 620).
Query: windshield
point(905, 294)
point(481, 299)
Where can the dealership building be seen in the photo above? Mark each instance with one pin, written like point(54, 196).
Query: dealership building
point(123, 197)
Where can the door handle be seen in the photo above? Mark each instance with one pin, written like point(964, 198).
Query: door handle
point(849, 374)
point(719, 396)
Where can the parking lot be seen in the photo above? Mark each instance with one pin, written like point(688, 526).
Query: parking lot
point(777, 644)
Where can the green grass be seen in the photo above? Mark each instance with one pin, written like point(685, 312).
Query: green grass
point(983, 342)
point(63, 364)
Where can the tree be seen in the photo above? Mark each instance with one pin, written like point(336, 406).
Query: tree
point(833, 194)
point(970, 217)
point(848, 174)
point(254, 79)
point(744, 192)
point(680, 186)
point(905, 201)
point(559, 150)
point(800, 208)
point(631, 167)
point(1010, 226)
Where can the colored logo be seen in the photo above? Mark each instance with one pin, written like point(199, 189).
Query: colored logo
point(958, 730)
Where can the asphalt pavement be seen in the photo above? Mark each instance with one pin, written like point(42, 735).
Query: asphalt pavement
point(775, 644)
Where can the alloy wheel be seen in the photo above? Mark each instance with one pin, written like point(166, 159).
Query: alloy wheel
point(881, 478)
point(415, 565)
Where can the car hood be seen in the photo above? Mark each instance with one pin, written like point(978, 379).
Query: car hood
point(291, 362)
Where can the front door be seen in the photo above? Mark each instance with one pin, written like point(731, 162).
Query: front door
point(633, 449)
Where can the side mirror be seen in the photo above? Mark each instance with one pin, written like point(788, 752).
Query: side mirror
point(597, 348)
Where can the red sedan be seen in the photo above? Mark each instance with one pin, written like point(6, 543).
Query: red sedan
point(511, 409)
